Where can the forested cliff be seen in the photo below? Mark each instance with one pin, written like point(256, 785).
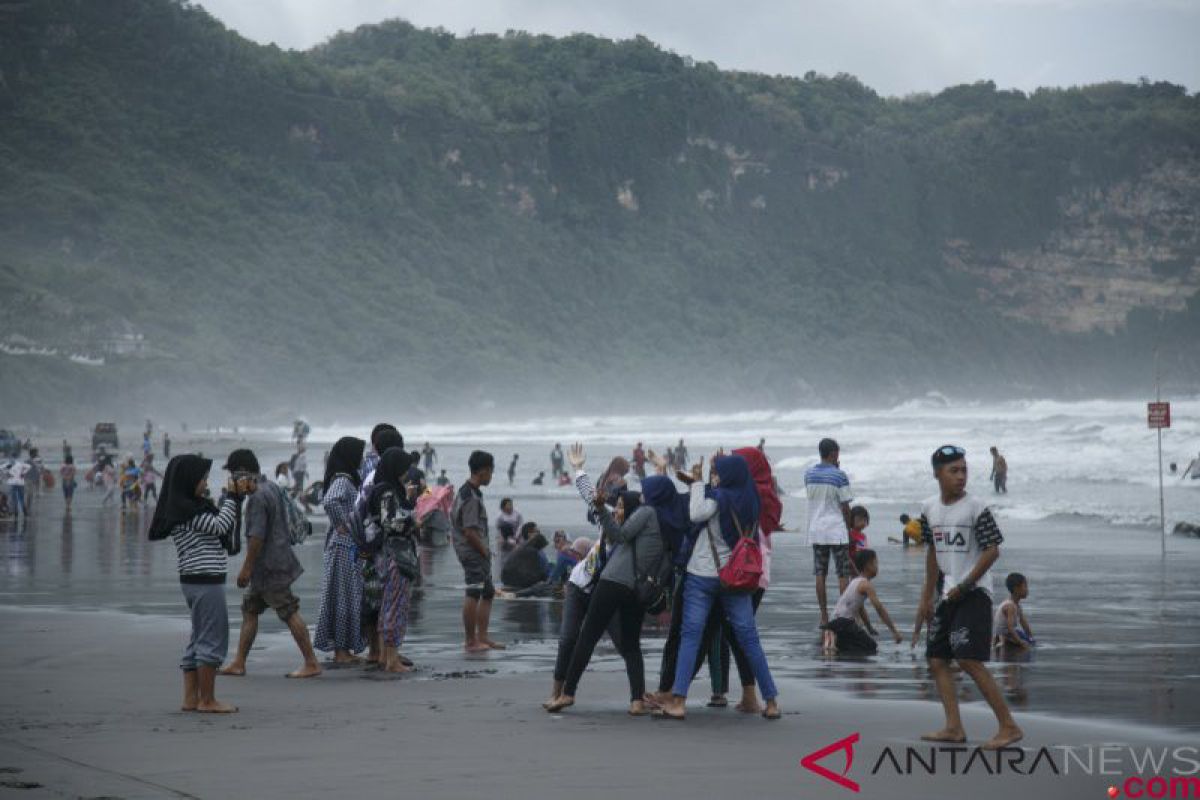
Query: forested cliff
point(403, 218)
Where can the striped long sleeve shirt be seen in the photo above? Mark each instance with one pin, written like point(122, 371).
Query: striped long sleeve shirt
point(202, 557)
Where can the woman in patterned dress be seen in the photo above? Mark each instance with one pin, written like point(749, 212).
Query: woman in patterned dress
point(339, 627)
point(393, 528)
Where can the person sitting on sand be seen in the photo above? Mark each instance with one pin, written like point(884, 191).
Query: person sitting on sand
point(508, 523)
point(540, 480)
point(527, 566)
point(1010, 628)
point(468, 520)
point(270, 567)
point(843, 634)
point(202, 533)
point(963, 541)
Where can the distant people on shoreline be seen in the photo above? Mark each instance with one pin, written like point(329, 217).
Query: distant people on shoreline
point(999, 472)
point(556, 461)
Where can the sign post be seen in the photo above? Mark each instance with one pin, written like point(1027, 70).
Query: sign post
point(1158, 416)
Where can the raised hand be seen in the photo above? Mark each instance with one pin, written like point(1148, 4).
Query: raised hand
point(658, 461)
point(575, 456)
point(698, 470)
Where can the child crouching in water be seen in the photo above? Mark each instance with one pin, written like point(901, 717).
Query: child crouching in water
point(843, 634)
point(1009, 626)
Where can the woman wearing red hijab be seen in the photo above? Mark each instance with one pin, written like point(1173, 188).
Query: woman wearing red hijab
point(719, 643)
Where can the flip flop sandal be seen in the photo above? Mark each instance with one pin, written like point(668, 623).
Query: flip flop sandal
point(660, 713)
point(718, 702)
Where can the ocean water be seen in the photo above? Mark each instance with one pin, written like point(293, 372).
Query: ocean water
point(1096, 459)
point(1116, 620)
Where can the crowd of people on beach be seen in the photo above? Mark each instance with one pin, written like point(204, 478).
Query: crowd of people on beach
point(690, 545)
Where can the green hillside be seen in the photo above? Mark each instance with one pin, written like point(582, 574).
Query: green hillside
point(402, 218)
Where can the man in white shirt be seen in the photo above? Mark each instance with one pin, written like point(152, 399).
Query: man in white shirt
point(15, 471)
point(829, 499)
point(963, 542)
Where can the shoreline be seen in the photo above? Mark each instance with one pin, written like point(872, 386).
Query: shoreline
point(461, 734)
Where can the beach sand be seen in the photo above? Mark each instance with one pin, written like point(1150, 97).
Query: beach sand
point(92, 622)
point(89, 709)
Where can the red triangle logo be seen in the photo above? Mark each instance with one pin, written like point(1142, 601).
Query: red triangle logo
point(809, 762)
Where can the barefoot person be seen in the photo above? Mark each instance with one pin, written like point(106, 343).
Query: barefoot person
point(392, 529)
point(339, 626)
point(829, 521)
point(469, 520)
point(844, 634)
point(203, 535)
point(270, 567)
point(963, 542)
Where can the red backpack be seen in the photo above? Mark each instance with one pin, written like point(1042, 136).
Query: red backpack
point(744, 569)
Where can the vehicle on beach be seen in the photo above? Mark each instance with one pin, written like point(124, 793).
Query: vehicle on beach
point(10, 445)
point(104, 436)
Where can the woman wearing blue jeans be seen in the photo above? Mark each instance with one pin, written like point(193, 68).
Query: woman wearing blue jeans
point(731, 495)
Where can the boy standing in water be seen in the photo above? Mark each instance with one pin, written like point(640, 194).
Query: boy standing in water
point(470, 524)
point(963, 541)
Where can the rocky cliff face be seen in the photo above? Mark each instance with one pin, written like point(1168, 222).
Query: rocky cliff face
point(1132, 245)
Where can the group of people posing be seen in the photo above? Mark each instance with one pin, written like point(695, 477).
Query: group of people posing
point(683, 542)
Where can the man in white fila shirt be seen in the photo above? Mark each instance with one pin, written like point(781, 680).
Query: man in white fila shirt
point(963, 542)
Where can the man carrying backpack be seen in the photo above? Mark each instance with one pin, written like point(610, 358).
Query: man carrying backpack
point(270, 567)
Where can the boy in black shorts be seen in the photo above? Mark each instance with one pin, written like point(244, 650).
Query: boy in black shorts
point(470, 525)
point(963, 542)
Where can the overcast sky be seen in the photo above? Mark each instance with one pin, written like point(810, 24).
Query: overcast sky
point(895, 46)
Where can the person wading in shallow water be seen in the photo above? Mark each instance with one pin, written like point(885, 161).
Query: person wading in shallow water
point(270, 567)
point(469, 520)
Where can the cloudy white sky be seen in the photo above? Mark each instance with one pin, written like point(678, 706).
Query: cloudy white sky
point(894, 46)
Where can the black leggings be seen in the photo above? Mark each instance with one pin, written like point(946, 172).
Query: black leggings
point(611, 600)
point(575, 606)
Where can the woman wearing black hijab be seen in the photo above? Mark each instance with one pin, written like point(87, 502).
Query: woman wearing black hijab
point(203, 535)
point(339, 626)
point(393, 530)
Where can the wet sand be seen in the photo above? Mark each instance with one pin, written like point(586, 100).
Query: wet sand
point(92, 622)
point(89, 709)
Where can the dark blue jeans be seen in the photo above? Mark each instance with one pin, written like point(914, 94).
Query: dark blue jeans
point(16, 495)
point(699, 596)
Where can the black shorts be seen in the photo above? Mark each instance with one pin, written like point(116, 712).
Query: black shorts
point(852, 638)
point(961, 630)
point(841, 559)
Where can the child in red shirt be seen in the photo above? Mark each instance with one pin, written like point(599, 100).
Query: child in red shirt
point(860, 518)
